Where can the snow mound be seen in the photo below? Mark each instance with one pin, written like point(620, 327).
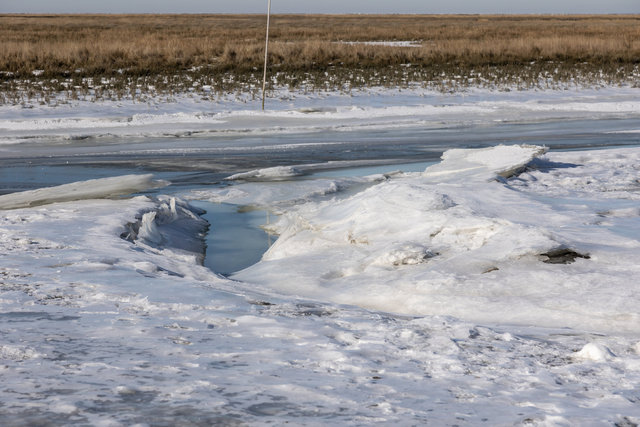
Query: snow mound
point(594, 352)
point(91, 189)
point(455, 242)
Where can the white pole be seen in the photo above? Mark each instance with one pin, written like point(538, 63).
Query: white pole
point(266, 51)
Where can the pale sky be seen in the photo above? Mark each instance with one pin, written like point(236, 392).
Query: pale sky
point(320, 6)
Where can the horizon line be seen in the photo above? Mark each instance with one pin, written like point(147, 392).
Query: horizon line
point(332, 13)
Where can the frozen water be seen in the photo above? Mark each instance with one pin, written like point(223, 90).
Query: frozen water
point(408, 297)
point(296, 113)
point(92, 189)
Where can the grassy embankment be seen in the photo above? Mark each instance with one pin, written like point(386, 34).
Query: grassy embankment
point(125, 56)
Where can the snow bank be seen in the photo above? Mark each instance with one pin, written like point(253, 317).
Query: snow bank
point(91, 189)
point(450, 242)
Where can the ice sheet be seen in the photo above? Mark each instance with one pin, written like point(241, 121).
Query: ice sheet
point(91, 189)
point(289, 112)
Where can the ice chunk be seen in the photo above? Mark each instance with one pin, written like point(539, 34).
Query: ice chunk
point(483, 164)
point(91, 189)
point(274, 173)
point(148, 229)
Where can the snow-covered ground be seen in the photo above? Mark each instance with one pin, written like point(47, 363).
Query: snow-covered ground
point(499, 286)
point(393, 43)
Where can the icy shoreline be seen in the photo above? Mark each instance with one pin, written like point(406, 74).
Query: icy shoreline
point(291, 112)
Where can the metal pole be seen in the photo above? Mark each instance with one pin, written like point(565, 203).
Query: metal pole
point(266, 52)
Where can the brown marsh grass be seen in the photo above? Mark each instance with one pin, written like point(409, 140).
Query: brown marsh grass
point(125, 55)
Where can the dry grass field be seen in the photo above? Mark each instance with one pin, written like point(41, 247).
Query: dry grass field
point(132, 55)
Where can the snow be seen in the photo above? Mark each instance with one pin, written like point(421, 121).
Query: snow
point(594, 352)
point(419, 244)
point(401, 298)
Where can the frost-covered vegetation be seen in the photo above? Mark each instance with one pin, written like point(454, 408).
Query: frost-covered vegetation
point(51, 58)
